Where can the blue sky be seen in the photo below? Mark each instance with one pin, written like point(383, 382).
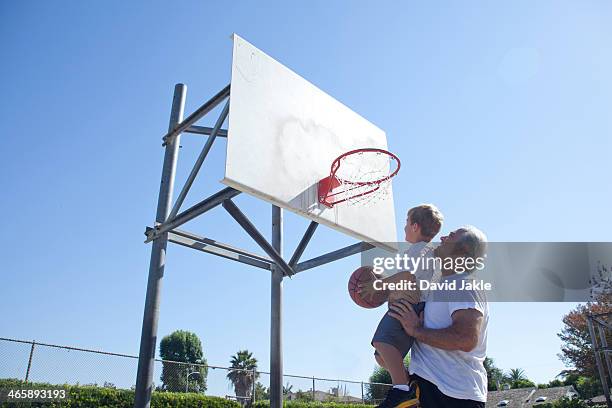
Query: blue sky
point(500, 112)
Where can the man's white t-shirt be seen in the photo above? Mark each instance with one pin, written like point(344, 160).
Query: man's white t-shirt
point(457, 374)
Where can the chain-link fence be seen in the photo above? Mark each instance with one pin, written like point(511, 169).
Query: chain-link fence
point(36, 362)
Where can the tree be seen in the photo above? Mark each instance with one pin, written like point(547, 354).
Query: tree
point(516, 374)
point(525, 383)
point(495, 375)
point(375, 392)
point(555, 383)
point(517, 379)
point(305, 396)
point(261, 392)
point(182, 346)
point(245, 374)
point(587, 387)
point(576, 350)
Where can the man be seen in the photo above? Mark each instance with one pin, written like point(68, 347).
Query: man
point(450, 348)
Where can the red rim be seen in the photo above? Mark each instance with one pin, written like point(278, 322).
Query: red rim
point(336, 165)
point(325, 185)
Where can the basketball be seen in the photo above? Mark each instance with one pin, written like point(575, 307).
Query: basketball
point(365, 274)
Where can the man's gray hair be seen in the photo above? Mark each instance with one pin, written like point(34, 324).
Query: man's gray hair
point(474, 240)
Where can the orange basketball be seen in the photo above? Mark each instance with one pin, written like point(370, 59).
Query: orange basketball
point(365, 274)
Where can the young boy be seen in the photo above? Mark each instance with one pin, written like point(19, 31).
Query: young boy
point(392, 344)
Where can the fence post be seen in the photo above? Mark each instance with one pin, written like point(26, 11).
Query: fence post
point(362, 399)
point(314, 395)
point(30, 361)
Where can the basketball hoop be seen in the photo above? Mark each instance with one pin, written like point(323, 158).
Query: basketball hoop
point(361, 176)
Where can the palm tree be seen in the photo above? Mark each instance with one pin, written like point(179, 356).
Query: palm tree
point(242, 379)
point(516, 374)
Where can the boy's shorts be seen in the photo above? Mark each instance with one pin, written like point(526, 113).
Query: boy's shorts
point(390, 331)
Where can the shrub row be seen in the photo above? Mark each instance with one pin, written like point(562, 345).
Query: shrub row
point(94, 397)
point(303, 404)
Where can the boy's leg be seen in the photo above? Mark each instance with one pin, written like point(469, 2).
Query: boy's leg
point(379, 359)
point(392, 343)
point(393, 362)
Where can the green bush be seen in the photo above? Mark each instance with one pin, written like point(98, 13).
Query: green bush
point(93, 396)
point(300, 404)
point(565, 403)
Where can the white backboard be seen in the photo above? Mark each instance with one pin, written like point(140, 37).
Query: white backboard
point(283, 135)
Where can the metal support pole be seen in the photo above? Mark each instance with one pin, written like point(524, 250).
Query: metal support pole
point(276, 304)
point(30, 362)
point(148, 337)
point(600, 369)
point(604, 346)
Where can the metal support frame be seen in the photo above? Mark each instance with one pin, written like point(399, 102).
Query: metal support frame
point(210, 246)
point(597, 350)
point(271, 250)
point(148, 337)
point(276, 314)
point(597, 319)
point(168, 219)
point(205, 130)
point(299, 250)
point(191, 213)
point(198, 164)
point(333, 256)
point(181, 125)
point(604, 346)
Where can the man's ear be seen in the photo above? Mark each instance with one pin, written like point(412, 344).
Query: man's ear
point(461, 249)
point(415, 227)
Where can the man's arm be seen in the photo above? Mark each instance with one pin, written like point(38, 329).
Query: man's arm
point(462, 334)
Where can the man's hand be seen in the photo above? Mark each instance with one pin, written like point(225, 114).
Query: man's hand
point(367, 291)
point(462, 335)
point(403, 311)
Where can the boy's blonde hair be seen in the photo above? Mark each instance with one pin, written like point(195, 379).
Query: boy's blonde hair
point(428, 217)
